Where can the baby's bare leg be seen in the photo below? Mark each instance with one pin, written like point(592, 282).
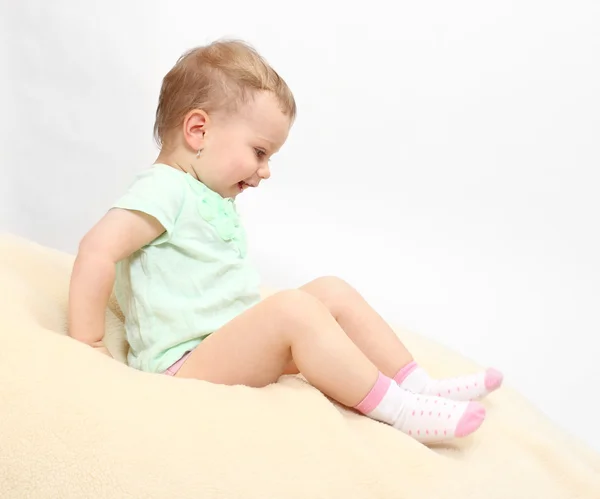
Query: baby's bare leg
point(255, 347)
point(367, 329)
point(363, 325)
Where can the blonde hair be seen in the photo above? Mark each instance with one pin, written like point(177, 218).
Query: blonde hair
point(221, 75)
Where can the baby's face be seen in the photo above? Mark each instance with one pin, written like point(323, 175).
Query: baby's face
point(238, 147)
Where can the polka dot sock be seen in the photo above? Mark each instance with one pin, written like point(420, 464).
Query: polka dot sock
point(470, 387)
point(426, 418)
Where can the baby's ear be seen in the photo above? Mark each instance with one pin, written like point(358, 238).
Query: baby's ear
point(194, 128)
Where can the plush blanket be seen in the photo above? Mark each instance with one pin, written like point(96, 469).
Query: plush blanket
point(77, 424)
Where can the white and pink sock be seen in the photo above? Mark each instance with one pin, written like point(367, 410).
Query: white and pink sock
point(470, 387)
point(428, 419)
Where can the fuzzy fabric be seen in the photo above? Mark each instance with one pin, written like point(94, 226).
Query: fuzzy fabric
point(77, 424)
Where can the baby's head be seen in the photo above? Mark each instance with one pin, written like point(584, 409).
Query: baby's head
point(222, 113)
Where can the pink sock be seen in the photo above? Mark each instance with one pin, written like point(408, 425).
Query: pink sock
point(469, 387)
point(426, 418)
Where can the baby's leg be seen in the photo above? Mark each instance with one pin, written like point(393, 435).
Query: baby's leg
point(255, 347)
point(377, 340)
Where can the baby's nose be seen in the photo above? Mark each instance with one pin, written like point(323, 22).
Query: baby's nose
point(264, 172)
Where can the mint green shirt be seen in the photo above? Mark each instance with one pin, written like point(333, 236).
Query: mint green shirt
point(192, 279)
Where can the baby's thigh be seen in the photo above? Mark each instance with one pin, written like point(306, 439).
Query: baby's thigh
point(252, 349)
point(291, 368)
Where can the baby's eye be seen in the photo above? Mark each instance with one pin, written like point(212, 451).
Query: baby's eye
point(259, 153)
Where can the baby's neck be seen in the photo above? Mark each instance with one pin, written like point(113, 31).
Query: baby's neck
point(176, 160)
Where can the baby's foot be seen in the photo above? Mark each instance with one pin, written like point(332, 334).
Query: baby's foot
point(428, 419)
point(462, 388)
point(433, 419)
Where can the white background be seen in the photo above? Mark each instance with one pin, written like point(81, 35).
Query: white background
point(445, 158)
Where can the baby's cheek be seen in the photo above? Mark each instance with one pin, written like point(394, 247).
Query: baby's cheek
point(243, 168)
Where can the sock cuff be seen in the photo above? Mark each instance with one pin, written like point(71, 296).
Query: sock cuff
point(375, 395)
point(405, 371)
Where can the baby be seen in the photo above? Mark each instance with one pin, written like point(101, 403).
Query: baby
point(174, 250)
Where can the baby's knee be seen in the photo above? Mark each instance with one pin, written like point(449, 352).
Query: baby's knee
point(332, 291)
point(295, 305)
point(331, 284)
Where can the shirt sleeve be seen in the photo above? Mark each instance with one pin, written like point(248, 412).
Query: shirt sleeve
point(158, 192)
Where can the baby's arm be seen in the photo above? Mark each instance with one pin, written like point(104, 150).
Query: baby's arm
point(116, 236)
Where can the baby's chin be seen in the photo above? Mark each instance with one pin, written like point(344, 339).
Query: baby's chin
point(234, 191)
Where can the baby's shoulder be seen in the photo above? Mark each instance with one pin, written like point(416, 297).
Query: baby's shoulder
point(158, 184)
point(161, 176)
point(191, 205)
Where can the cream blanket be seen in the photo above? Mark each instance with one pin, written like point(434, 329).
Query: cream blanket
point(76, 424)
